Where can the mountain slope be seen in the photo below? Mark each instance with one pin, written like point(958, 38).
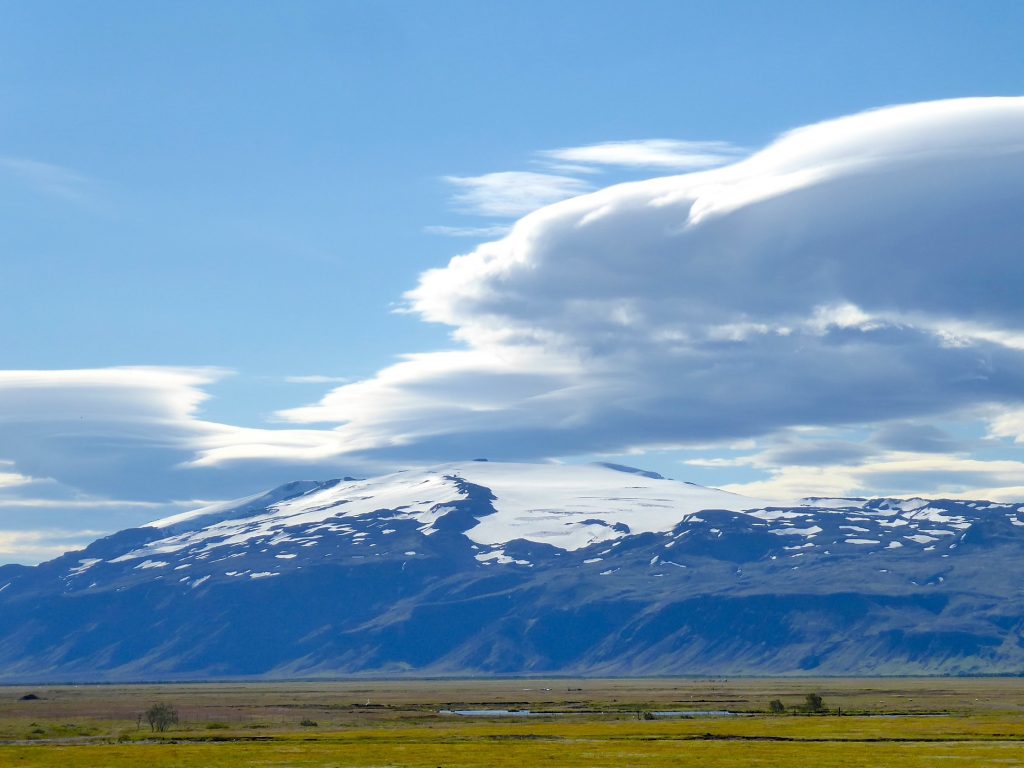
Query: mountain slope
point(483, 568)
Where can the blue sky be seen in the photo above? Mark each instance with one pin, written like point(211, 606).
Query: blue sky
point(204, 205)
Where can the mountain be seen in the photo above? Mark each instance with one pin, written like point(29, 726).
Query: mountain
point(480, 568)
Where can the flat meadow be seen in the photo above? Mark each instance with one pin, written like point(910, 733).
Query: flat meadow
point(905, 722)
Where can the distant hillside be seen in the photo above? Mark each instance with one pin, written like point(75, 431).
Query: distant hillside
point(481, 568)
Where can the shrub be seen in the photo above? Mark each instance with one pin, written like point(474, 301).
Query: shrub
point(161, 717)
point(776, 707)
point(813, 703)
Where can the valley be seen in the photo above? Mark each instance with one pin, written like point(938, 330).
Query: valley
point(884, 722)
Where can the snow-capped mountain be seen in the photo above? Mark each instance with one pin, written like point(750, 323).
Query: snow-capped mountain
point(480, 567)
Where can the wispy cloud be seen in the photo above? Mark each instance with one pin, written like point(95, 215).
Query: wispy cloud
point(316, 379)
point(62, 503)
point(131, 432)
point(43, 544)
point(512, 193)
point(495, 230)
point(568, 173)
point(48, 178)
point(889, 473)
point(10, 478)
point(647, 153)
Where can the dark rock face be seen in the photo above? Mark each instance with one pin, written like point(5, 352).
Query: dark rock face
point(877, 587)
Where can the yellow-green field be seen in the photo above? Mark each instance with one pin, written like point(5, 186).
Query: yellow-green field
point(894, 722)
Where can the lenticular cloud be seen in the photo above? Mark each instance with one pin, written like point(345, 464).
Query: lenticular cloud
point(859, 270)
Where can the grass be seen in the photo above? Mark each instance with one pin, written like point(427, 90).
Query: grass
point(374, 724)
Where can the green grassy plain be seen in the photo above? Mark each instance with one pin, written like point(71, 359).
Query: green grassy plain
point(891, 722)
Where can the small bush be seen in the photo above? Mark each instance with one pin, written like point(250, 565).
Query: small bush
point(161, 717)
point(216, 726)
point(813, 703)
point(307, 723)
point(776, 707)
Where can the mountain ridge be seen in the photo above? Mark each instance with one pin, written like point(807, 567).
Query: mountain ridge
point(480, 568)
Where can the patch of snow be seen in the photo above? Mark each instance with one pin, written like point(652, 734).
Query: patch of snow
point(775, 514)
point(84, 565)
point(151, 564)
point(499, 556)
point(812, 531)
point(840, 503)
point(910, 505)
point(935, 515)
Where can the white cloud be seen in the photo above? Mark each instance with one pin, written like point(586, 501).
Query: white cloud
point(892, 474)
point(74, 503)
point(133, 433)
point(12, 479)
point(859, 271)
point(1008, 423)
point(43, 544)
point(50, 179)
point(648, 153)
point(124, 394)
point(512, 193)
point(498, 230)
point(855, 271)
point(316, 379)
